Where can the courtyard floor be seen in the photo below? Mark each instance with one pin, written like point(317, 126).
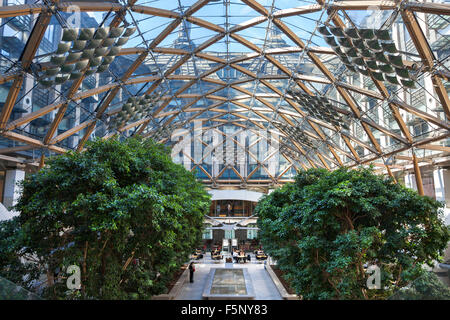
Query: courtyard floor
point(262, 283)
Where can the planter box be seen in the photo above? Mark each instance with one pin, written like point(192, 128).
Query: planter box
point(284, 294)
point(175, 289)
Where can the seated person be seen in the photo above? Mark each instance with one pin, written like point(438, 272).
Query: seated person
point(242, 255)
point(261, 255)
point(215, 255)
point(235, 255)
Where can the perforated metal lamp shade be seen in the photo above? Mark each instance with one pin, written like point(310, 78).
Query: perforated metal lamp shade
point(70, 34)
point(52, 72)
point(115, 32)
point(122, 41)
point(95, 43)
point(96, 61)
point(129, 31)
point(57, 60)
point(90, 72)
point(63, 47)
point(67, 68)
point(108, 42)
point(73, 56)
point(101, 33)
point(79, 44)
point(102, 68)
point(86, 33)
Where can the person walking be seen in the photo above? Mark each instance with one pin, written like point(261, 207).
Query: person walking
point(191, 272)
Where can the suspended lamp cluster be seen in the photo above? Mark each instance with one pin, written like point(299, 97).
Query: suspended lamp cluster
point(286, 150)
point(84, 51)
point(320, 108)
point(369, 50)
point(296, 134)
point(135, 108)
point(162, 132)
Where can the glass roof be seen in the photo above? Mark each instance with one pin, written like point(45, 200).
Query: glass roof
point(337, 82)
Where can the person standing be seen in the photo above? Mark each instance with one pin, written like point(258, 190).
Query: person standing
point(229, 209)
point(191, 272)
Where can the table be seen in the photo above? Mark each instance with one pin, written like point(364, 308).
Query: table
point(216, 256)
point(241, 258)
point(261, 256)
point(198, 254)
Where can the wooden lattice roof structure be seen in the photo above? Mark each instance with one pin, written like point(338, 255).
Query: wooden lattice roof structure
point(328, 114)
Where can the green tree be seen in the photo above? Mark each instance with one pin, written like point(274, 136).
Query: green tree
point(327, 227)
point(122, 211)
point(427, 287)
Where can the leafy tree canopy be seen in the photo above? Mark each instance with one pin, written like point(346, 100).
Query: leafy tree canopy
point(427, 287)
point(327, 227)
point(121, 211)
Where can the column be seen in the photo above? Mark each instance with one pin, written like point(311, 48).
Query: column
point(441, 179)
point(12, 193)
point(76, 121)
point(410, 181)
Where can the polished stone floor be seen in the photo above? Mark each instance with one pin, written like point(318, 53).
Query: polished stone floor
point(262, 283)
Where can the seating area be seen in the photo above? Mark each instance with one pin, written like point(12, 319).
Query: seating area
point(260, 255)
point(216, 255)
point(239, 256)
point(236, 256)
point(198, 254)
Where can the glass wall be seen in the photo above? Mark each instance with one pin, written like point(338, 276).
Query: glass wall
point(252, 234)
point(231, 208)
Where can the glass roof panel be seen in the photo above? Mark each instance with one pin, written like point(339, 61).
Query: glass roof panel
point(230, 64)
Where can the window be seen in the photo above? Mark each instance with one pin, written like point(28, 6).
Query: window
point(8, 31)
point(49, 33)
point(207, 234)
point(252, 234)
point(420, 128)
point(229, 234)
